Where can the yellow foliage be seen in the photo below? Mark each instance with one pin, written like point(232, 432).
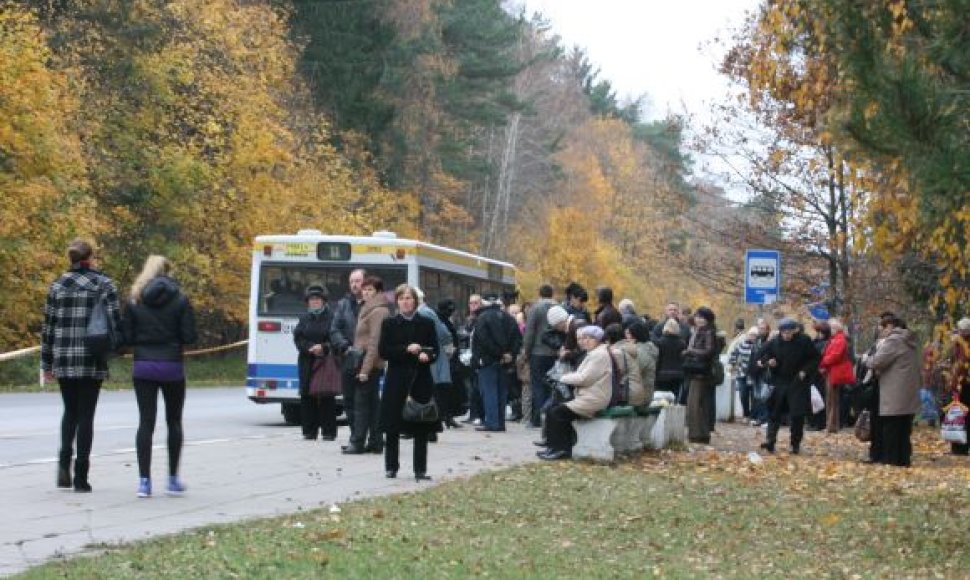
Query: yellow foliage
point(41, 174)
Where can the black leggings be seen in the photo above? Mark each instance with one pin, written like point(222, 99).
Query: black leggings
point(147, 394)
point(80, 400)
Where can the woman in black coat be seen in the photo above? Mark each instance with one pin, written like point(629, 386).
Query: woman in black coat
point(409, 344)
point(312, 339)
point(670, 361)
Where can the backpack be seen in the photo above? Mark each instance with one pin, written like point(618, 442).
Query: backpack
point(100, 338)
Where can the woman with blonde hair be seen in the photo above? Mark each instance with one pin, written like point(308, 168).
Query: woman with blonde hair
point(158, 323)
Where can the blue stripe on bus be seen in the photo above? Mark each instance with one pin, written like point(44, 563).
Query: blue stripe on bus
point(271, 371)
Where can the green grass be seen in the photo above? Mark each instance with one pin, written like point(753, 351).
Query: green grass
point(683, 516)
point(227, 368)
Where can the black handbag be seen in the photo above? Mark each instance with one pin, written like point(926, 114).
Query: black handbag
point(696, 367)
point(563, 393)
point(100, 339)
point(415, 412)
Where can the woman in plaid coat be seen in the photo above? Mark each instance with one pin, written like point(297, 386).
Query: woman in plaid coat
point(64, 356)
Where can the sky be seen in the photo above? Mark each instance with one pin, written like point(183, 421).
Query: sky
point(655, 48)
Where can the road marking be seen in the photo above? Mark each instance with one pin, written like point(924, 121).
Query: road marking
point(132, 450)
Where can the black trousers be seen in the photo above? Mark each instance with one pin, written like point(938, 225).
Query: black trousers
point(897, 446)
point(364, 432)
point(146, 393)
point(80, 398)
point(319, 415)
point(348, 388)
point(392, 449)
point(779, 407)
point(560, 434)
point(877, 449)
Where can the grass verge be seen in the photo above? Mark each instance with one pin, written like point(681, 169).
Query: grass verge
point(220, 369)
point(680, 515)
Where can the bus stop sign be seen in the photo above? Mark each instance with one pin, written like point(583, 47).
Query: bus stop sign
point(762, 276)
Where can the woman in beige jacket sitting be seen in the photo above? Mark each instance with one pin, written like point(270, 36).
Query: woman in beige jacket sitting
point(592, 384)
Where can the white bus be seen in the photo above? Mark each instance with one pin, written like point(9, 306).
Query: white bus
point(285, 265)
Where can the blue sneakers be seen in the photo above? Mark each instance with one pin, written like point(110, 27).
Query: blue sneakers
point(144, 487)
point(175, 485)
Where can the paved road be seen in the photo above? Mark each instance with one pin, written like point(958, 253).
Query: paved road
point(239, 461)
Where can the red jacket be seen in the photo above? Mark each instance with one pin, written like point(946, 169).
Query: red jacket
point(835, 361)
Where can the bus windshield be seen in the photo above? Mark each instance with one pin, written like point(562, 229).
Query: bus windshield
point(282, 286)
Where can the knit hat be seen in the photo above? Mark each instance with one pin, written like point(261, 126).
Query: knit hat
point(315, 291)
point(591, 330)
point(671, 326)
point(556, 315)
point(787, 324)
point(964, 324)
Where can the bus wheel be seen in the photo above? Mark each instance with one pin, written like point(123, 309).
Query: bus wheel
point(291, 414)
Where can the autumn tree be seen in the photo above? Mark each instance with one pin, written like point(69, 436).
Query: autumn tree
point(43, 199)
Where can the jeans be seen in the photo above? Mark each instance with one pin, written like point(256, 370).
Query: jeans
point(746, 393)
point(493, 383)
point(80, 398)
point(475, 410)
point(366, 410)
point(146, 392)
point(539, 365)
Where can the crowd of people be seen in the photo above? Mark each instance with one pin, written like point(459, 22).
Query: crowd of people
point(407, 369)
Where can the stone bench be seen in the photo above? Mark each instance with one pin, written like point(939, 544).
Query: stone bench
point(623, 430)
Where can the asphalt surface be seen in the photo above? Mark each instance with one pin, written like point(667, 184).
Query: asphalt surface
point(239, 461)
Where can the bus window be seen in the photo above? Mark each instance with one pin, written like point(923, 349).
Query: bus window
point(282, 287)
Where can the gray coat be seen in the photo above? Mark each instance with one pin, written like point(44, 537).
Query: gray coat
point(535, 326)
point(897, 363)
point(440, 368)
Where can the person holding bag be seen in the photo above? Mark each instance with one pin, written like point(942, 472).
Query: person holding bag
point(65, 355)
point(592, 386)
point(698, 359)
point(158, 323)
point(365, 437)
point(409, 344)
point(320, 379)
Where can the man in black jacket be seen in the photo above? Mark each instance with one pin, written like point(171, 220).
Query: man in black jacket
point(342, 337)
point(495, 344)
point(792, 358)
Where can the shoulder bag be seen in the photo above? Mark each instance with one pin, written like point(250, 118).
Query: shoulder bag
point(415, 412)
point(325, 379)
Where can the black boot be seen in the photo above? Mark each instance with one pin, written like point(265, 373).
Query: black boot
point(81, 484)
point(64, 476)
point(451, 424)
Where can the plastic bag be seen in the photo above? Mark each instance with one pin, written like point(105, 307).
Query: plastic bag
point(818, 403)
point(955, 423)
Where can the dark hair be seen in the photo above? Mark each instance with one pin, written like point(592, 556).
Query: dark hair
point(604, 295)
point(447, 307)
point(739, 324)
point(707, 314)
point(638, 330)
point(582, 294)
point(573, 289)
point(824, 330)
point(545, 291)
point(79, 251)
point(374, 282)
point(896, 321)
point(613, 333)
